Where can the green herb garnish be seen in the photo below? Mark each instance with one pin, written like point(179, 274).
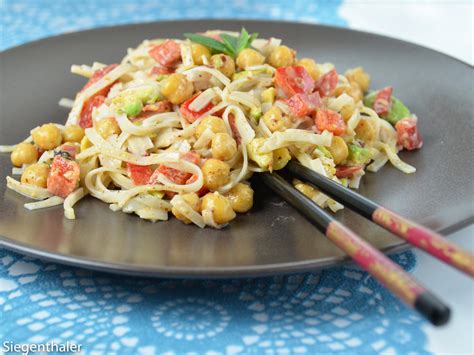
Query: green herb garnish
point(230, 45)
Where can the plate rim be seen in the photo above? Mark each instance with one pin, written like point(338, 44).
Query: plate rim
point(210, 272)
point(206, 272)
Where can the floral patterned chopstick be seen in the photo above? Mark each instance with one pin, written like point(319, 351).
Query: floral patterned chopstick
point(365, 255)
point(419, 236)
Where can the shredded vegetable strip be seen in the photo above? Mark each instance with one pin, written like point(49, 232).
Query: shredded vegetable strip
point(179, 128)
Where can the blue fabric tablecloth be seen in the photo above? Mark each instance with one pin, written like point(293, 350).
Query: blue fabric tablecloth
point(342, 309)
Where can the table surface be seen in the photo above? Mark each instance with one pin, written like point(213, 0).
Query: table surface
point(421, 21)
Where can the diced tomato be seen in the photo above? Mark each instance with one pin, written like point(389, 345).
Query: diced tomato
point(330, 121)
point(408, 135)
point(293, 80)
point(157, 70)
point(234, 129)
point(85, 120)
point(326, 84)
point(177, 176)
point(193, 157)
point(190, 115)
point(140, 174)
point(99, 74)
point(70, 148)
point(202, 191)
point(304, 104)
point(63, 177)
point(383, 101)
point(166, 53)
point(98, 98)
point(344, 171)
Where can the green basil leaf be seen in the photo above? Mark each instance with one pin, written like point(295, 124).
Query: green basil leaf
point(252, 37)
point(208, 42)
point(243, 40)
point(231, 42)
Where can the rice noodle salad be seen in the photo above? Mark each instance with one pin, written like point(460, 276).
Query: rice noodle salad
point(180, 125)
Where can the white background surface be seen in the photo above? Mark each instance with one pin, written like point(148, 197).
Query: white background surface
point(446, 26)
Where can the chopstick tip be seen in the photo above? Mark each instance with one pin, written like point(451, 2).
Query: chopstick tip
point(432, 308)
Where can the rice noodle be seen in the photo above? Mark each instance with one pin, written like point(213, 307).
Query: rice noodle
point(49, 202)
point(146, 162)
point(71, 200)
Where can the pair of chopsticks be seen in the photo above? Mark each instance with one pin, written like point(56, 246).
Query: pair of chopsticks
point(365, 255)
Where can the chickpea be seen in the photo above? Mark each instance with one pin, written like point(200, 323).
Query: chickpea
point(282, 56)
point(347, 111)
point(287, 122)
point(216, 173)
point(281, 157)
point(273, 119)
point(36, 175)
point(240, 197)
point(220, 207)
point(353, 90)
point(360, 77)
point(249, 57)
point(24, 153)
point(223, 146)
point(338, 150)
point(191, 199)
point(216, 125)
point(198, 51)
point(310, 66)
point(47, 137)
point(73, 133)
point(107, 126)
point(366, 130)
point(224, 64)
point(177, 88)
point(305, 189)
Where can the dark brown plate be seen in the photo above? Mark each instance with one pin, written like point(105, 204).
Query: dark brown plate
point(273, 238)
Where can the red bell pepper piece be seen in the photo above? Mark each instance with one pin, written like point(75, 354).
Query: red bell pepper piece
point(140, 174)
point(304, 104)
point(166, 53)
point(85, 120)
point(383, 101)
point(63, 177)
point(191, 115)
point(293, 80)
point(330, 121)
point(326, 84)
point(408, 135)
